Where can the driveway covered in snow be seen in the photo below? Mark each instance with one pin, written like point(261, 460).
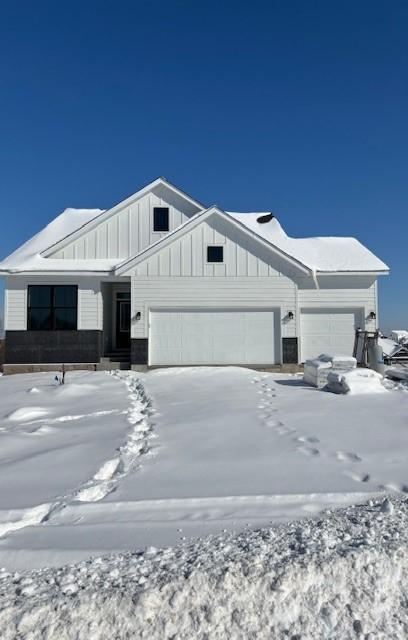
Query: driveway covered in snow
point(109, 463)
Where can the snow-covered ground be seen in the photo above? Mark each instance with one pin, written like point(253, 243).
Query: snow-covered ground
point(115, 462)
point(342, 576)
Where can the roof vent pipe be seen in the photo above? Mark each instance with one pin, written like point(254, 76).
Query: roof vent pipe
point(267, 218)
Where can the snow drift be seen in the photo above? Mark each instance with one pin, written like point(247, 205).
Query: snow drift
point(341, 576)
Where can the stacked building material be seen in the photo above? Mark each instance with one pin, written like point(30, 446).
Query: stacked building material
point(355, 381)
point(316, 371)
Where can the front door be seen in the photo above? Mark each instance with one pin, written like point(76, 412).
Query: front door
point(122, 321)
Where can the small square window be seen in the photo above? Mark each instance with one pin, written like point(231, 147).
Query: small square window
point(215, 254)
point(160, 219)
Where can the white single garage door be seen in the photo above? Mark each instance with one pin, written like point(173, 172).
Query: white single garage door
point(329, 331)
point(197, 336)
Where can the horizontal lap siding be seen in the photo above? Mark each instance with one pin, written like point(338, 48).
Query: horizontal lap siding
point(89, 300)
point(89, 304)
point(211, 292)
point(15, 310)
point(352, 298)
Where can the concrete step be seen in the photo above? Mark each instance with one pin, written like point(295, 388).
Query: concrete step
point(116, 357)
point(109, 365)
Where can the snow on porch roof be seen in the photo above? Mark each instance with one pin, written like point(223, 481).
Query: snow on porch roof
point(321, 254)
point(28, 258)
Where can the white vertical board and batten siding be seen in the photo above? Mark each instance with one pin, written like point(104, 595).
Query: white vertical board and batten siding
point(127, 232)
point(187, 256)
point(90, 310)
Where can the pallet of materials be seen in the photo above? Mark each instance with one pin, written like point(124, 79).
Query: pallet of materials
point(355, 381)
point(316, 371)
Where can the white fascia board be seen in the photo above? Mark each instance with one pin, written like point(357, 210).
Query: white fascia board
point(353, 273)
point(117, 207)
point(191, 224)
point(54, 272)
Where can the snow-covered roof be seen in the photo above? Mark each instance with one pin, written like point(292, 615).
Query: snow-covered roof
point(330, 254)
point(28, 256)
point(326, 255)
point(390, 347)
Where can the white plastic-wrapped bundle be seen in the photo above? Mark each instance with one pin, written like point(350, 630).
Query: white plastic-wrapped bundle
point(355, 381)
point(316, 372)
point(344, 362)
point(339, 362)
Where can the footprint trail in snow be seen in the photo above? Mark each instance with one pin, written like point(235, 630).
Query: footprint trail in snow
point(307, 445)
point(107, 477)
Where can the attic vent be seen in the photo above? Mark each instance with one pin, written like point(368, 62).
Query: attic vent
point(267, 218)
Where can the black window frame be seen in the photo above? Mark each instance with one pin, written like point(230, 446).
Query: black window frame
point(52, 307)
point(158, 225)
point(214, 259)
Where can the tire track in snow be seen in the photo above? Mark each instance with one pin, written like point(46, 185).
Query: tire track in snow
point(107, 477)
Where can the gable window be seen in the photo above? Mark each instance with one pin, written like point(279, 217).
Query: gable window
point(160, 219)
point(215, 254)
point(52, 307)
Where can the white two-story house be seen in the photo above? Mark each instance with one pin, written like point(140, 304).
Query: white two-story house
point(160, 279)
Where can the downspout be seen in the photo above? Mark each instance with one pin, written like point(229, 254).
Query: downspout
point(314, 276)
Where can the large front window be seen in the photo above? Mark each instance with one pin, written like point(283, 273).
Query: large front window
point(52, 307)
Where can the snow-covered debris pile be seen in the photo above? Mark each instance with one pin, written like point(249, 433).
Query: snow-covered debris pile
point(399, 372)
point(341, 576)
point(355, 381)
point(316, 371)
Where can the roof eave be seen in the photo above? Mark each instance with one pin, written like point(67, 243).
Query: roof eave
point(355, 272)
point(16, 272)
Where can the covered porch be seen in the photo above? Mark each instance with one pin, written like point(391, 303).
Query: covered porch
point(116, 322)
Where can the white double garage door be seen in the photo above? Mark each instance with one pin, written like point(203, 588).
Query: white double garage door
point(237, 336)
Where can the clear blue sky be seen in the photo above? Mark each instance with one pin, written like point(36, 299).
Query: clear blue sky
point(296, 107)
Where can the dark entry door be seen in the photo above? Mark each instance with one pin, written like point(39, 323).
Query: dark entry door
point(122, 323)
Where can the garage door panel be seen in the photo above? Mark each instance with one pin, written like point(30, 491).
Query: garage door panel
point(328, 331)
point(211, 337)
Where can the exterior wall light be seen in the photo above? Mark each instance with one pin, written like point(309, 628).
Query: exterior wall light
point(290, 315)
point(138, 315)
point(372, 315)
